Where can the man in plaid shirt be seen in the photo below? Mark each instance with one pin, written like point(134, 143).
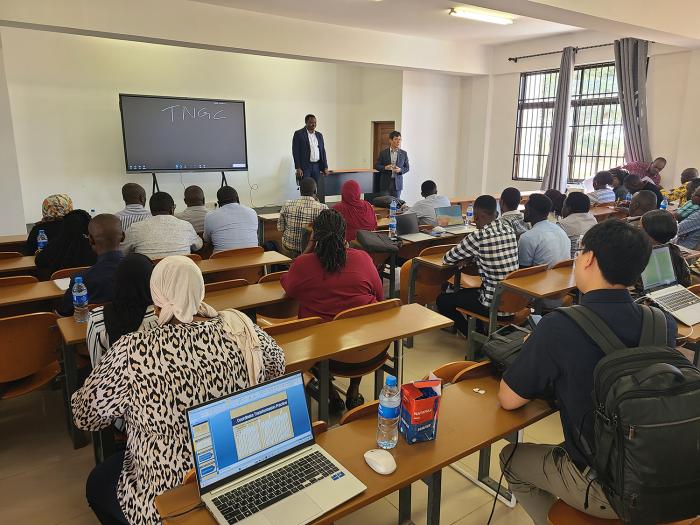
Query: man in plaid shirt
point(297, 214)
point(494, 248)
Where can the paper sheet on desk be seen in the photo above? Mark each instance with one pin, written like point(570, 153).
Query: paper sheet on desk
point(62, 284)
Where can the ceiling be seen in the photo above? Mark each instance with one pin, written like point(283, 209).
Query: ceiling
point(421, 18)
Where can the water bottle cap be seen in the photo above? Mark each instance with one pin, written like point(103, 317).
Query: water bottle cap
point(41, 231)
point(78, 280)
point(390, 381)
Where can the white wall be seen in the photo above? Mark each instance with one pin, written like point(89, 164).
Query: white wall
point(63, 93)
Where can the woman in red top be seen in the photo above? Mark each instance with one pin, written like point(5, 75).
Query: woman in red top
point(330, 277)
point(358, 214)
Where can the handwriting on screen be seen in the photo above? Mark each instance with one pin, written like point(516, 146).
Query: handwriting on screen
point(180, 113)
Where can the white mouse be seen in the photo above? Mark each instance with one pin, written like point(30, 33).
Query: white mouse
point(381, 461)
point(438, 229)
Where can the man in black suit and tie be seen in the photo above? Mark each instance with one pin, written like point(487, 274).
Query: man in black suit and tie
point(309, 151)
point(392, 165)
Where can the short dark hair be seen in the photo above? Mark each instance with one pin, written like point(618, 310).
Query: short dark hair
point(619, 173)
point(691, 186)
point(161, 202)
point(659, 158)
point(511, 198)
point(578, 202)
point(307, 117)
point(486, 203)
point(428, 188)
point(540, 204)
point(645, 199)
point(603, 178)
point(660, 225)
point(307, 187)
point(394, 134)
point(132, 193)
point(608, 240)
point(226, 195)
point(557, 199)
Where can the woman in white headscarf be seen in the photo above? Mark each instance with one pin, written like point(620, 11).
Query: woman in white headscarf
point(150, 378)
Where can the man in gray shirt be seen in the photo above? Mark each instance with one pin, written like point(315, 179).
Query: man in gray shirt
point(425, 208)
point(196, 210)
point(232, 225)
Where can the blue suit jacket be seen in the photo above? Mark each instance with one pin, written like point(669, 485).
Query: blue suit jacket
point(385, 175)
point(301, 150)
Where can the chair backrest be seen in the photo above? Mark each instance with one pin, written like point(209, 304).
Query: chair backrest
point(28, 343)
point(9, 255)
point(237, 251)
point(275, 276)
point(563, 264)
point(448, 371)
point(195, 257)
point(224, 285)
point(319, 427)
point(368, 309)
point(67, 272)
point(440, 248)
point(289, 326)
point(513, 302)
point(18, 279)
point(360, 412)
point(474, 371)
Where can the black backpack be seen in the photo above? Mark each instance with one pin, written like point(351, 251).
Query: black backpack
point(646, 450)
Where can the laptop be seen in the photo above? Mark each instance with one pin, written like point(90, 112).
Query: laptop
point(450, 218)
point(256, 459)
point(407, 228)
point(660, 285)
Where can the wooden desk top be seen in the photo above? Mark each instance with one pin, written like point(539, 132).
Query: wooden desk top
point(16, 264)
point(458, 436)
point(12, 239)
point(242, 261)
point(28, 293)
point(434, 261)
point(544, 284)
point(268, 216)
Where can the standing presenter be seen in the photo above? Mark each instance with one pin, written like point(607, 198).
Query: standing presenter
point(309, 151)
point(392, 165)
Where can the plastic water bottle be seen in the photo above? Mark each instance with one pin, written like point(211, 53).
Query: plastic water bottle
point(41, 240)
point(664, 204)
point(80, 301)
point(389, 406)
point(470, 214)
point(628, 197)
point(392, 219)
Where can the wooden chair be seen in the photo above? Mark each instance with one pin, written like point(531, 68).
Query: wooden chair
point(252, 275)
point(9, 255)
point(363, 410)
point(67, 272)
point(428, 280)
point(237, 251)
point(562, 514)
point(276, 313)
point(224, 285)
point(563, 264)
point(28, 353)
point(18, 279)
point(289, 326)
point(195, 257)
point(448, 371)
point(515, 304)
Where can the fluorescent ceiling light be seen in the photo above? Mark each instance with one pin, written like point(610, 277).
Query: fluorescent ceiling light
point(480, 16)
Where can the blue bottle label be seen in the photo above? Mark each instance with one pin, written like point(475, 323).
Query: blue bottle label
point(80, 300)
point(388, 412)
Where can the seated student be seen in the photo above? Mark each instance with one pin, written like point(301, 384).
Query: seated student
point(546, 243)
point(601, 185)
point(647, 171)
point(689, 229)
point(71, 248)
point(358, 213)
point(425, 208)
point(690, 206)
point(329, 277)
point(232, 225)
point(557, 198)
point(559, 354)
point(577, 218)
point(634, 184)
point(53, 209)
point(680, 194)
point(134, 199)
point(130, 310)
point(618, 182)
point(196, 210)
point(104, 235)
point(296, 215)
point(509, 202)
point(642, 202)
point(163, 234)
point(494, 248)
point(661, 227)
point(150, 378)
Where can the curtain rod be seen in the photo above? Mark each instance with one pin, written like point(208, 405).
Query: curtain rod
point(515, 59)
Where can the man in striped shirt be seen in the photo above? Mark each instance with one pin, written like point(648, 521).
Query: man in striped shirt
point(135, 199)
point(494, 248)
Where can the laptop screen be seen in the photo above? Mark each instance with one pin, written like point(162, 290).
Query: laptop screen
point(449, 215)
point(659, 271)
point(243, 430)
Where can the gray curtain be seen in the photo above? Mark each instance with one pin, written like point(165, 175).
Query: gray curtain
point(631, 72)
point(557, 168)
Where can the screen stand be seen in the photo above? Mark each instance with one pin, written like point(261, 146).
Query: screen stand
point(155, 186)
point(224, 182)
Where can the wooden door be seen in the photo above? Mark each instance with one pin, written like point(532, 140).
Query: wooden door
point(380, 136)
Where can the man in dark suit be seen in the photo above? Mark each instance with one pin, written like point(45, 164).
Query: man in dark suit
point(392, 165)
point(309, 151)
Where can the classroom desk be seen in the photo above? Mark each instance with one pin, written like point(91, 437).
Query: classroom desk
point(267, 228)
point(13, 243)
point(29, 293)
point(17, 265)
point(241, 262)
point(458, 436)
point(602, 213)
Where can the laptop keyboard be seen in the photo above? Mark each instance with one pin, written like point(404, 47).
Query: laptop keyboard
point(248, 499)
point(678, 300)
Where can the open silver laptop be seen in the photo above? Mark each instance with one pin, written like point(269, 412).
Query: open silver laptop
point(450, 218)
point(407, 228)
point(257, 461)
point(660, 285)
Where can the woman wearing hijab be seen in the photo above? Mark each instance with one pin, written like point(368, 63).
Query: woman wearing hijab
point(149, 378)
point(71, 248)
point(130, 311)
point(358, 213)
point(53, 209)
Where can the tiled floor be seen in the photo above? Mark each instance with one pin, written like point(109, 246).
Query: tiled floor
point(42, 479)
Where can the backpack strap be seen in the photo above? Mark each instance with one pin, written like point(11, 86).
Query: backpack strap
point(594, 327)
point(653, 327)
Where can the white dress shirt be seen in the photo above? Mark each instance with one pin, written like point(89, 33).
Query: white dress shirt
point(161, 236)
point(313, 143)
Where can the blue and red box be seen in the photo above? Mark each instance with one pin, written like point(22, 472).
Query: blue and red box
point(420, 404)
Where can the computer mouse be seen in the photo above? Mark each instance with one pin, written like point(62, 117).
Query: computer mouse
point(381, 461)
point(438, 229)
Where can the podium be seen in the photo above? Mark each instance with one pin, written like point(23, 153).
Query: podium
point(367, 178)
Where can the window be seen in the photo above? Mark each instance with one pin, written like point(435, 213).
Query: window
point(595, 122)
